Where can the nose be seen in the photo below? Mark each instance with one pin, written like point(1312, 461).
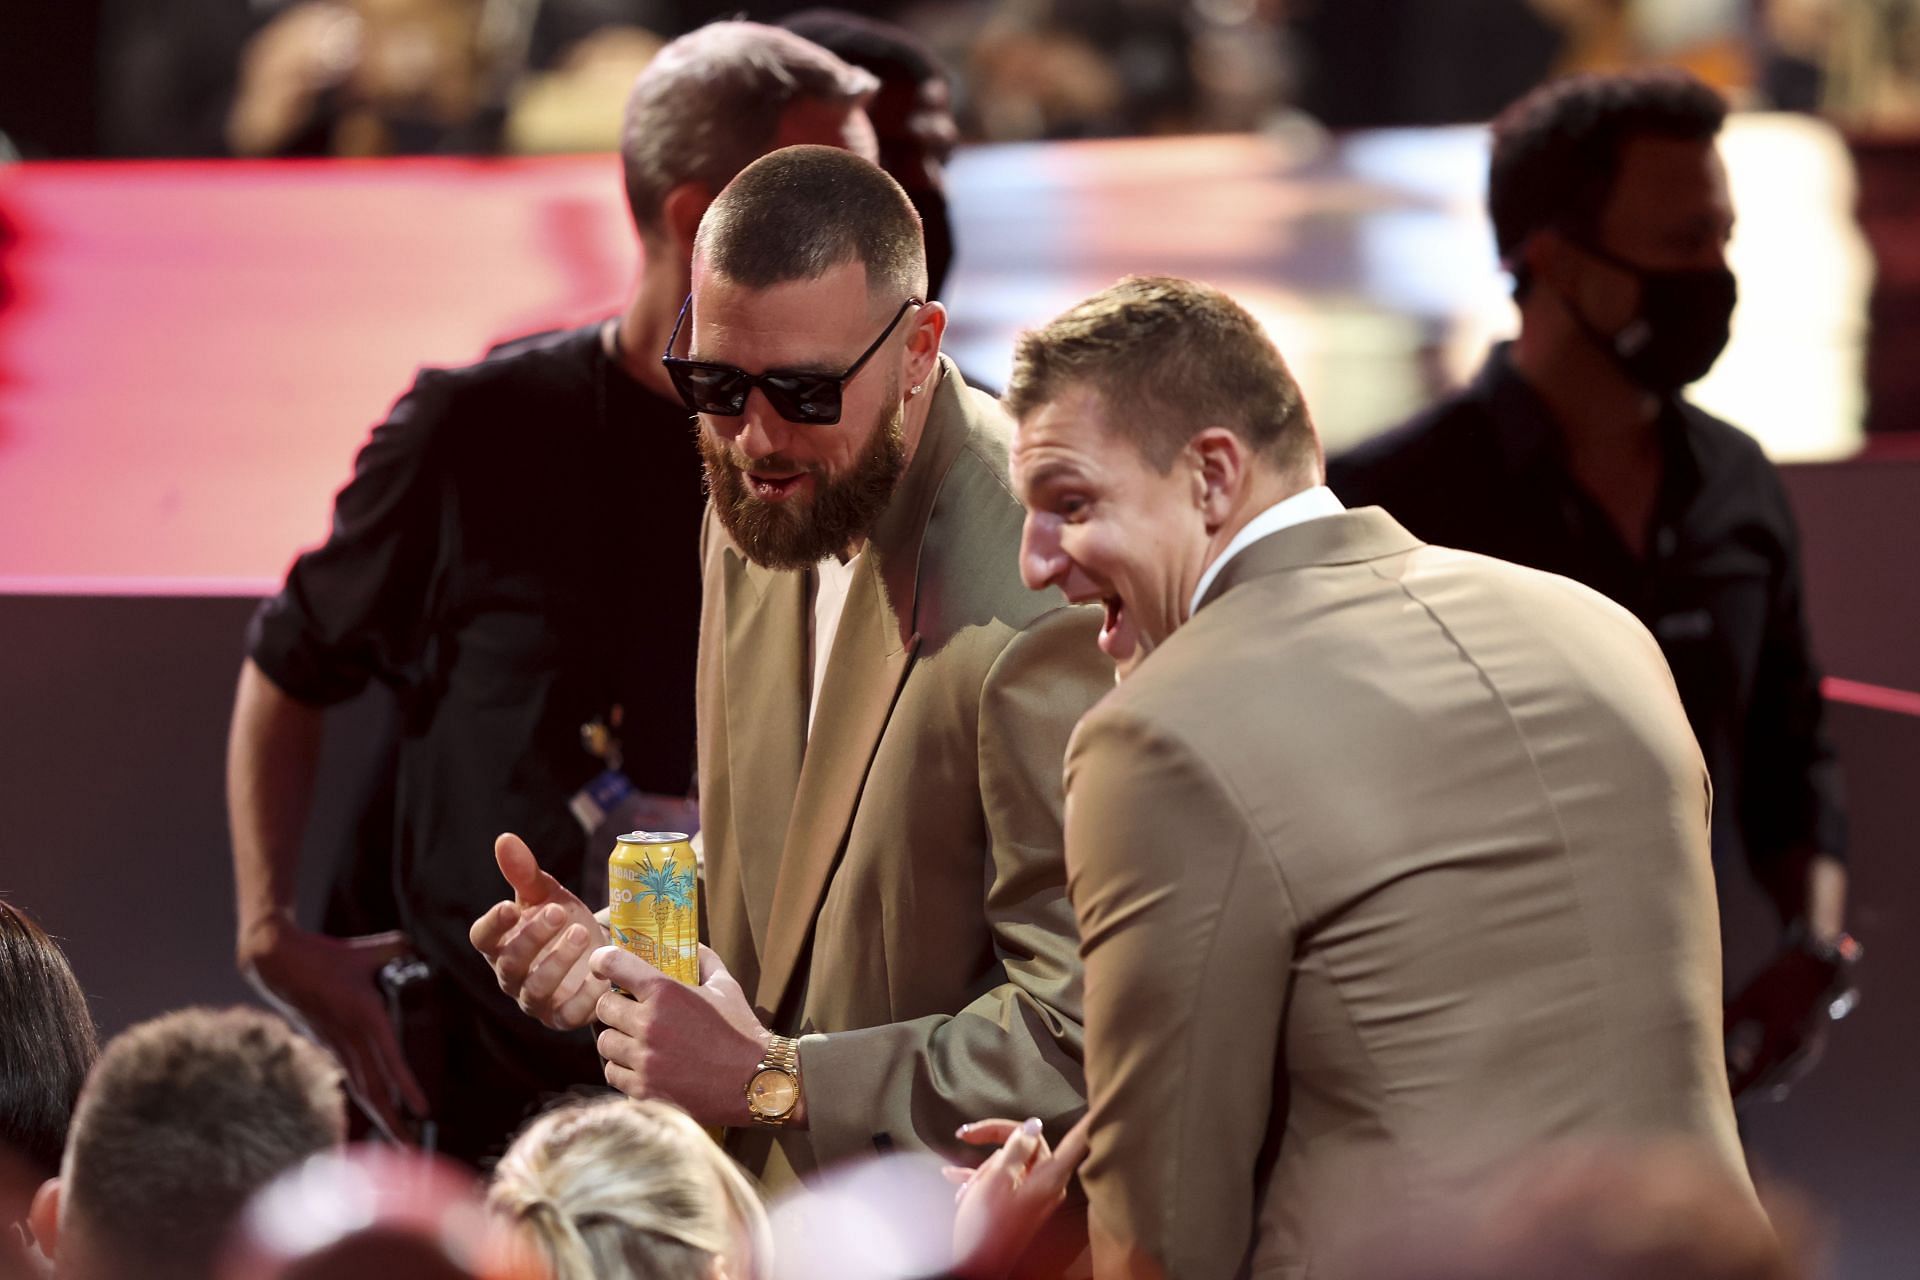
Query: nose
point(763, 432)
point(1042, 560)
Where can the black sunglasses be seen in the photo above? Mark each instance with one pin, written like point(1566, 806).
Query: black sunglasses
point(721, 389)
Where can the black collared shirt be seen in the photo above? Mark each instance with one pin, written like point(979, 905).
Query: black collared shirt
point(516, 552)
point(1719, 585)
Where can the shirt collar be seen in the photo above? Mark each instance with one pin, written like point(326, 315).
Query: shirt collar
point(1526, 435)
point(1308, 504)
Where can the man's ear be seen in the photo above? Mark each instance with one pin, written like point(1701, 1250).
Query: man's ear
point(1220, 460)
point(43, 1218)
point(1547, 256)
point(680, 215)
point(929, 326)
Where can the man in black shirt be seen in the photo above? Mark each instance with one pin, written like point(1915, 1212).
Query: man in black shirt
point(516, 555)
point(1574, 452)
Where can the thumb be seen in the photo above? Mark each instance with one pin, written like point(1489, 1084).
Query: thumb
point(1067, 1157)
point(531, 885)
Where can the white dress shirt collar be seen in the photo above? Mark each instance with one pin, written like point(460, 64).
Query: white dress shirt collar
point(1308, 504)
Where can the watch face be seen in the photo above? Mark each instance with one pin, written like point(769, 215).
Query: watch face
point(772, 1092)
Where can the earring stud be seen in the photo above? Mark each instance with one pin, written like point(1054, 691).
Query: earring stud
point(916, 389)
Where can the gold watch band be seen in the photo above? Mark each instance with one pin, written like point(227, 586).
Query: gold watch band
point(784, 1054)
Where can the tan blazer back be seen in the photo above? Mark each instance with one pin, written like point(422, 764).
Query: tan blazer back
point(892, 888)
point(1391, 865)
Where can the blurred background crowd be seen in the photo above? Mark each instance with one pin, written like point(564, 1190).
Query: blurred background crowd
point(372, 77)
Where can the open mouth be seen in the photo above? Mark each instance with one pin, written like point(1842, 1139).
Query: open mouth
point(773, 488)
point(1118, 640)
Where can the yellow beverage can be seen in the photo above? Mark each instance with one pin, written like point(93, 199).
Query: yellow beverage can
point(653, 901)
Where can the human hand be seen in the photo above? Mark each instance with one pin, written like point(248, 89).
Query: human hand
point(1776, 1027)
point(1004, 1203)
point(696, 1047)
point(329, 988)
point(540, 942)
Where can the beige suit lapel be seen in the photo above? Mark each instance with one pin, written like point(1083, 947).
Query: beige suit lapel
point(873, 650)
point(768, 623)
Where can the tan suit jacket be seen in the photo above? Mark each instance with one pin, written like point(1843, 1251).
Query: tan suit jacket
point(892, 888)
point(1390, 864)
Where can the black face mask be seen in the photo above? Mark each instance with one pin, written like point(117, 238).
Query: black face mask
point(931, 204)
point(1683, 324)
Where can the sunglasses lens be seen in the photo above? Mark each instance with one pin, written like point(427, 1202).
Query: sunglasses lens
point(804, 399)
point(707, 389)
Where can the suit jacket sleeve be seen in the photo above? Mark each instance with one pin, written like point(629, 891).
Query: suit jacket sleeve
point(1015, 1049)
point(1188, 936)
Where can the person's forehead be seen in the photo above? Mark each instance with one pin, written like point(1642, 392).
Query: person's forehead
point(1064, 432)
point(1668, 177)
point(823, 321)
point(812, 121)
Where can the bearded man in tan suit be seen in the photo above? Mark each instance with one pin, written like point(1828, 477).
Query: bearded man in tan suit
point(1390, 862)
point(882, 708)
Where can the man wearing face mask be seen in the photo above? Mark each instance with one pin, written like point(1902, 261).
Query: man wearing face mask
point(1574, 452)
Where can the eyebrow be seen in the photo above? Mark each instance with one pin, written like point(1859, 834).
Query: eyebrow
point(810, 368)
point(1042, 474)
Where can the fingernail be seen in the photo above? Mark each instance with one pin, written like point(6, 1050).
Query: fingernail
point(556, 914)
point(1032, 1127)
point(963, 1130)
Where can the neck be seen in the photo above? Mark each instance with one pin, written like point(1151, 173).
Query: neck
point(1264, 489)
point(647, 320)
point(1597, 408)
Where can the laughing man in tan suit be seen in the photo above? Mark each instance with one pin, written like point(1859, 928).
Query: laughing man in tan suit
point(1389, 861)
point(882, 708)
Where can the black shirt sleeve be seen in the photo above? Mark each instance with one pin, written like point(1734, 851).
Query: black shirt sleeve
point(353, 609)
point(1790, 789)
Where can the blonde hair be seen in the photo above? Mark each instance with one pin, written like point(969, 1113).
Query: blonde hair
point(622, 1190)
point(1169, 358)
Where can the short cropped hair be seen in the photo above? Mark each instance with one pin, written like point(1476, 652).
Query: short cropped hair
point(1556, 152)
point(47, 1042)
point(802, 211)
point(711, 101)
point(1169, 358)
point(621, 1190)
point(184, 1118)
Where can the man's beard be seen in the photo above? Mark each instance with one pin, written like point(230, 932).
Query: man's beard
point(840, 513)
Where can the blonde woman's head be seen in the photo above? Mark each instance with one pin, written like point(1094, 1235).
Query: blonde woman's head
point(622, 1190)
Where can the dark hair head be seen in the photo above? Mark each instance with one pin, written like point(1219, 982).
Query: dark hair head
point(802, 211)
point(47, 1042)
point(1169, 358)
point(892, 53)
point(711, 101)
point(183, 1119)
point(1556, 152)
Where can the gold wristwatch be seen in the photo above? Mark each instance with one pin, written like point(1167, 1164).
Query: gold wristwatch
point(774, 1090)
